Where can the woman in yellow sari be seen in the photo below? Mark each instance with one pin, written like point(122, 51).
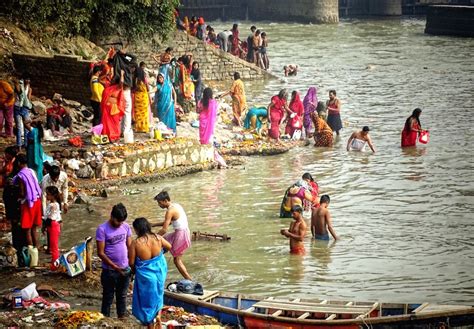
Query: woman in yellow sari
point(142, 103)
point(239, 101)
point(323, 136)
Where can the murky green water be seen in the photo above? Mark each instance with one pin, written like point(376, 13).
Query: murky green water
point(405, 217)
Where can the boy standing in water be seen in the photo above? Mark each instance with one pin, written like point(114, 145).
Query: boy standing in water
point(321, 221)
point(297, 231)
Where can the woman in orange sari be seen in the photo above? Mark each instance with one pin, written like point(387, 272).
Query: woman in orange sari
point(239, 100)
point(323, 136)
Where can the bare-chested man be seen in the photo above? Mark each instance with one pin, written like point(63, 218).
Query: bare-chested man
point(321, 221)
point(359, 139)
point(297, 231)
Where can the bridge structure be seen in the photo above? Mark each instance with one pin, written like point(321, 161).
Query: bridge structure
point(306, 11)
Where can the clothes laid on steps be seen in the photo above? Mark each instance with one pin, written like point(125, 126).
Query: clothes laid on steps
point(148, 288)
point(358, 144)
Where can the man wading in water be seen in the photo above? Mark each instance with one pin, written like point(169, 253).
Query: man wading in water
point(321, 221)
point(297, 231)
point(180, 239)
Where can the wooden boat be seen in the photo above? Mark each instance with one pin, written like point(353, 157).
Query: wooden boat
point(237, 310)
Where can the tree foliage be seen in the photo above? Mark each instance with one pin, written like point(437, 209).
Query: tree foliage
point(129, 18)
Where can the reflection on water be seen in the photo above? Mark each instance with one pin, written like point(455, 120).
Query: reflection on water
point(404, 216)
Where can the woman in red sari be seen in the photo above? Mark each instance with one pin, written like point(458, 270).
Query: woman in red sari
point(412, 129)
point(295, 113)
point(113, 109)
point(235, 40)
point(276, 110)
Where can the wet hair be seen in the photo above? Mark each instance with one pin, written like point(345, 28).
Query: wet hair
point(119, 212)
point(257, 32)
point(293, 94)
point(54, 171)
point(142, 226)
point(206, 97)
point(415, 115)
point(283, 94)
point(96, 69)
point(297, 208)
point(365, 128)
point(236, 75)
point(162, 196)
point(264, 34)
point(332, 91)
point(253, 28)
point(21, 159)
point(325, 199)
point(12, 151)
point(235, 27)
point(307, 175)
point(169, 49)
point(53, 190)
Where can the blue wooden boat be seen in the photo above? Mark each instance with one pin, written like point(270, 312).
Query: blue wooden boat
point(239, 310)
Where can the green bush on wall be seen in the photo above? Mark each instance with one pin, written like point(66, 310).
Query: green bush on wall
point(130, 19)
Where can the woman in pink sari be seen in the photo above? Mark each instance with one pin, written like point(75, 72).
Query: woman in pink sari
point(295, 113)
point(235, 40)
point(207, 109)
point(277, 110)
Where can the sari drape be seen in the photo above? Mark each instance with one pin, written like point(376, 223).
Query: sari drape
point(165, 101)
point(113, 109)
point(323, 135)
point(257, 112)
point(310, 104)
point(207, 121)
point(410, 136)
point(296, 106)
point(277, 112)
point(34, 152)
point(142, 108)
point(149, 287)
point(239, 100)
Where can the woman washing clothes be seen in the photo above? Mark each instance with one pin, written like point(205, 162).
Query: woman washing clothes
point(323, 136)
point(412, 129)
point(295, 115)
point(359, 139)
point(256, 119)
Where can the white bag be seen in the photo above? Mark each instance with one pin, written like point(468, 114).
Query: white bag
point(296, 134)
point(128, 137)
point(29, 292)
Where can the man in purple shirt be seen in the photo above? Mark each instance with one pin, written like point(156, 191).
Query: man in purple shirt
point(113, 239)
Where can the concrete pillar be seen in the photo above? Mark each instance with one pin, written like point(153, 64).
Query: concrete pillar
point(385, 7)
point(323, 11)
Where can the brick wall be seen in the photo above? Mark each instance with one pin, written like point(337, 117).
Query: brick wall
point(63, 74)
point(68, 75)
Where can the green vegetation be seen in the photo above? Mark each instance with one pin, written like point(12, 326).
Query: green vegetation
point(130, 19)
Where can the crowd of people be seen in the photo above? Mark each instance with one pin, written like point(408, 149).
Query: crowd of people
point(253, 49)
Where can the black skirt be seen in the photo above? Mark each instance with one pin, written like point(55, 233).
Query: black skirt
point(334, 121)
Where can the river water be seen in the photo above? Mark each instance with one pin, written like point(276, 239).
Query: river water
point(405, 217)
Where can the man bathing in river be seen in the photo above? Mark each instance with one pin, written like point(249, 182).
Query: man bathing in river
point(321, 221)
point(180, 239)
point(359, 139)
point(297, 231)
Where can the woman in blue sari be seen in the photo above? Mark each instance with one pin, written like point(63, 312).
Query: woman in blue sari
point(34, 149)
point(145, 257)
point(165, 98)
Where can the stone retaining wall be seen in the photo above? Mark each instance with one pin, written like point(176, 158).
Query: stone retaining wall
point(156, 158)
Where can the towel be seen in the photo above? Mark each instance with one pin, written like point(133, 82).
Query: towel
point(32, 188)
point(148, 289)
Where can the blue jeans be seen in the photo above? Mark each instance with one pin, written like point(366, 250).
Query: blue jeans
point(114, 283)
point(21, 114)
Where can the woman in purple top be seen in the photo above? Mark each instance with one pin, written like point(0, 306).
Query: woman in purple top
point(310, 103)
point(113, 239)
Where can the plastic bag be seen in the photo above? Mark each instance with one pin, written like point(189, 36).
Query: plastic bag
point(29, 292)
point(424, 137)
